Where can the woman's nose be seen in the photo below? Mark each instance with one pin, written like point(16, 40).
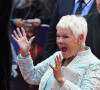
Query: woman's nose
point(60, 40)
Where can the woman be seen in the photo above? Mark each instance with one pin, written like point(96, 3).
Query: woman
point(72, 68)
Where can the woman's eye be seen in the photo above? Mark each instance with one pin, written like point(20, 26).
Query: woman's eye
point(65, 37)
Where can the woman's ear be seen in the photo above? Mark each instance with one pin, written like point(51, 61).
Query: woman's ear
point(80, 38)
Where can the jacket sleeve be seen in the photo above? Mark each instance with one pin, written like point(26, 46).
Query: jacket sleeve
point(33, 74)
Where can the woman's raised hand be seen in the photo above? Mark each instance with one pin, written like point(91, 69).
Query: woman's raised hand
point(22, 41)
point(57, 69)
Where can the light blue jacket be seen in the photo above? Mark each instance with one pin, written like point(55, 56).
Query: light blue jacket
point(85, 64)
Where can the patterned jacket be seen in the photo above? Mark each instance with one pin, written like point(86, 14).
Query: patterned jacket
point(85, 65)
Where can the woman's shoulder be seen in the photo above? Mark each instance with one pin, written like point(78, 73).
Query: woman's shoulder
point(87, 58)
point(92, 60)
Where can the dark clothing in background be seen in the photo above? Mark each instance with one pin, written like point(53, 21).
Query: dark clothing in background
point(62, 7)
point(93, 36)
point(5, 55)
point(36, 10)
point(49, 8)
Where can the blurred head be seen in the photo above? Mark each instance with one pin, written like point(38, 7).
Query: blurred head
point(98, 5)
point(71, 35)
point(29, 31)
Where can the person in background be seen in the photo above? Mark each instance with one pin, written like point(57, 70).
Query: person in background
point(34, 12)
point(74, 67)
point(49, 9)
point(21, 4)
point(93, 37)
point(65, 7)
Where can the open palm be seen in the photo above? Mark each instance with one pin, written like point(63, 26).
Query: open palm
point(22, 41)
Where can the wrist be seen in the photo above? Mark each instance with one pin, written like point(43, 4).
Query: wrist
point(62, 81)
point(24, 54)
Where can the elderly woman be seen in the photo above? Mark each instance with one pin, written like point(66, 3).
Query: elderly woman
point(72, 68)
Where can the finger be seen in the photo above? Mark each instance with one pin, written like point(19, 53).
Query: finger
point(17, 37)
point(31, 39)
point(55, 63)
point(52, 67)
point(60, 58)
point(57, 60)
point(14, 37)
point(19, 32)
point(23, 31)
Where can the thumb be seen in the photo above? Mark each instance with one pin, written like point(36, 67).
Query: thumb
point(31, 39)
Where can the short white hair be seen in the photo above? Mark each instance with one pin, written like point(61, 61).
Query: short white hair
point(77, 24)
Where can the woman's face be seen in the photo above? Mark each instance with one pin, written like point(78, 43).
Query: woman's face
point(67, 42)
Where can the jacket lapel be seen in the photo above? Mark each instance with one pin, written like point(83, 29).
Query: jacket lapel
point(93, 7)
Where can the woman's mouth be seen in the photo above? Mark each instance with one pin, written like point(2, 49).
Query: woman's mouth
point(63, 49)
